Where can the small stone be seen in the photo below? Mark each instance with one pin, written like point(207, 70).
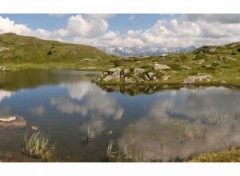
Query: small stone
point(196, 79)
point(166, 77)
point(128, 80)
point(208, 66)
point(186, 67)
point(216, 62)
point(201, 61)
point(34, 127)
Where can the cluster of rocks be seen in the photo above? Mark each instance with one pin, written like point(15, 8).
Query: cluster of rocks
point(134, 75)
point(197, 79)
point(206, 50)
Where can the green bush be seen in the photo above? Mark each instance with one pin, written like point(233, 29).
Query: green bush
point(233, 53)
point(175, 66)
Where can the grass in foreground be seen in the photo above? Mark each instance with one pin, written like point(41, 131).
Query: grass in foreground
point(230, 155)
point(38, 146)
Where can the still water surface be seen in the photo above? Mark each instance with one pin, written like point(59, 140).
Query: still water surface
point(166, 125)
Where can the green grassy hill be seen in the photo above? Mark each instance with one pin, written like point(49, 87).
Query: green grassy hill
point(206, 65)
point(30, 52)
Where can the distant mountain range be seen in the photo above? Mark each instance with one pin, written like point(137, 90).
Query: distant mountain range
point(143, 51)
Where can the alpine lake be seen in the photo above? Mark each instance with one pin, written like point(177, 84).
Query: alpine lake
point(97, 123)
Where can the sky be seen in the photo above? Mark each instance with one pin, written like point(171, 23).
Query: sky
point(166, 30)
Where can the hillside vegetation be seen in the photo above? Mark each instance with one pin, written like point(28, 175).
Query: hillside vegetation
point(18, 52)
point(206, 65)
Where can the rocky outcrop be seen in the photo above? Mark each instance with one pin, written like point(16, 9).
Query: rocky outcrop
point(12, 122)
point(160, 67)
point(196, 79)
point(136, 75)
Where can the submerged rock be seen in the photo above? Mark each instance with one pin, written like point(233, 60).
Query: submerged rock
point(7, 119)
point(196, 79)
point(12, 122)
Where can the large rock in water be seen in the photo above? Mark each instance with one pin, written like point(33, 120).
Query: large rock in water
point(160, 67)
point(12, 122)
point(196, 79)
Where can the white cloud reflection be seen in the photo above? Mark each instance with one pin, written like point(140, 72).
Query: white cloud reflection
point(5, 94)
point(186, 122)
point(88, 100)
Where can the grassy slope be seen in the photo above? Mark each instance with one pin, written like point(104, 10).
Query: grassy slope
point(30, 52)
point(231, 155)
point(227, 70)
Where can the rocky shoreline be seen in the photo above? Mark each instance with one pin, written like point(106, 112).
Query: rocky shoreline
point(158, 74)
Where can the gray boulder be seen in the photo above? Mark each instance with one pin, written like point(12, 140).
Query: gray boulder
point(196, 79)
point(115, 76)
point(160, 67)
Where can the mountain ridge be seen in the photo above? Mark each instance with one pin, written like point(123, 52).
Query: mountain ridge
point(153, 50)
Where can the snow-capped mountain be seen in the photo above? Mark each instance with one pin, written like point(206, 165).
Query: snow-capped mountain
point(143, 51)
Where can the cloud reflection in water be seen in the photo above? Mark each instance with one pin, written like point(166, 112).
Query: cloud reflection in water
point(185, 122)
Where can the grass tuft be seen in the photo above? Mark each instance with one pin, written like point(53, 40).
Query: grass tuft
point(38, 146)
